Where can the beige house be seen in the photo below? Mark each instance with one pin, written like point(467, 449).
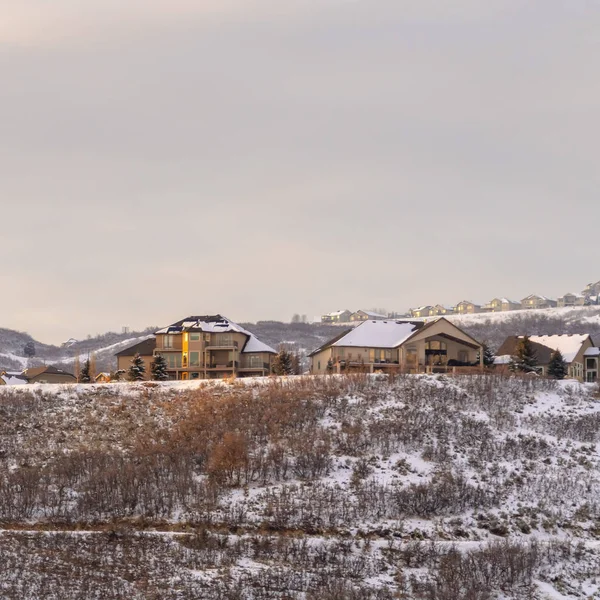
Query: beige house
point(146, 351)
point(467, 308)
point(365, 315)
point(339, 316)
point(502, 305)
point(571, 300)
point(210, 347)
point(48, 374)
point(578, 351)
point(403, 345)
point(537, 301)
point(422, 311)
point(592, 289)
point(439, 310)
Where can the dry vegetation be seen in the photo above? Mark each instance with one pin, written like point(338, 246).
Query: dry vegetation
point(328, 488)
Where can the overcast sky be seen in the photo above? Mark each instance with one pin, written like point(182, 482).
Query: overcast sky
point(260, 158)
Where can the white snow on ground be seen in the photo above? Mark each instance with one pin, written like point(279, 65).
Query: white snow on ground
point(19, 359)
point(580, 313)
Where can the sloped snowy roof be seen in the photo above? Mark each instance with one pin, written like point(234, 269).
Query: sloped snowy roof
point(379, 334)
point(506, 359)
point(217, 324)
point(375, 315)
point(337, 313)
point(592, 352)
point(568, 345)
point(13, 379)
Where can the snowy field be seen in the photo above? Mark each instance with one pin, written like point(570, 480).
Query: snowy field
point(334, 487)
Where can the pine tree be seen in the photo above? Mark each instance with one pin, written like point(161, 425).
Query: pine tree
point(283, 363)
point(158, 368)
point(84, 374)
point(488, 356)
point(29, 349)
point(557, 367)
point(137, 370)
point(526, 357)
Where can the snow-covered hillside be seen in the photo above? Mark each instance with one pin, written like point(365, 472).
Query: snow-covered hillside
point(363, 487)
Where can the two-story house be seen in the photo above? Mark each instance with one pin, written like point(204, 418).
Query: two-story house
point(592, 289)
point(209, 347)
point(502, 305)
point(403, 345)
point(338, 316)
point(422, 311)
point(467, 308)
point(537, 301)
point(571, 300)
point(366, 315)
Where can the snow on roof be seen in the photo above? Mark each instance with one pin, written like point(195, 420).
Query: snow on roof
point(506, 359)
point(378, 334)
point(13, 379)
point(592, 352)
point(568, 345)
point(375, 315)
point(221, 325)
point(336, 313)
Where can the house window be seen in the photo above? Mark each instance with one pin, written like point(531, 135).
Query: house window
point(463, 356)
point(591, 363)
point(167, 341)
point(194, 359)
point(174, 361)
point(224, 339)
point(194, 337)
point(194, 375)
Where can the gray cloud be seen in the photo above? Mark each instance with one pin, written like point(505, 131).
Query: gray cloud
point(261, 159)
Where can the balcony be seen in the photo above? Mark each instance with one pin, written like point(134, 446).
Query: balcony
point(230, 366)
point(255, 367)
point(217, 345)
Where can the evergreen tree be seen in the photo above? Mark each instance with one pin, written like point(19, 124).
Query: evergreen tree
point(557, 367)
point(137, 370)
point(526, 357)
point(29, 349)
point(283, 363)
point(488, 356)
point(117, 375)
point(85, 374)
point(158, 368)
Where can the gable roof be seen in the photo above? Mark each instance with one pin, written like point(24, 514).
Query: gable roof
point(144, 348)
point(544, 345)
point(372, 314)
point(569, 345)
point(386, 334)
point(45, 370)
point(379, 334)
point(12, 379)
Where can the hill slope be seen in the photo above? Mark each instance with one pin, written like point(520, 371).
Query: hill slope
point(364, 487)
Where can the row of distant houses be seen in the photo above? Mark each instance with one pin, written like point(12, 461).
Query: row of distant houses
point(589, 296)
point(533, 301)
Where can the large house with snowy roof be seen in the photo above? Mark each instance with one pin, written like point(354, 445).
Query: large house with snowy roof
point(502, 305)
point(210, 347)
point(578, 351)
point(338, 316)
point(365, 315)
point(537, 301)
point(408, 346)
point(571, 300)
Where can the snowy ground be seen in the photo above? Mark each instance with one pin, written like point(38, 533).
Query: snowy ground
point(366, 484)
